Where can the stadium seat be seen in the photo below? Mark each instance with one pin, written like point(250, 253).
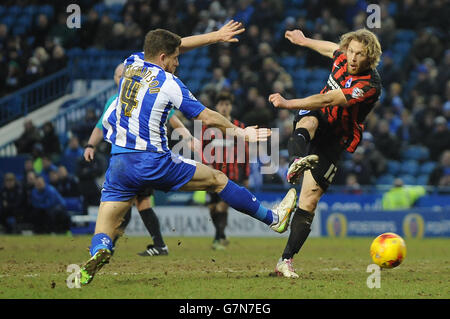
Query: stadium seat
point(427, 167)
point(14, 10)
point(13, 164)
point(408, 179)
point(300, 75)
point(48, 10)
point(100, 8)
point(288, 62)
point(195, 85)
point(386, 179)
point(30, 10)
point(422, 179)
point(19, 30)
point(405, 36)
point(415, 152)
point(74, 204)
point(204, 62)
point(8, 20)
point(409, 167)
point(393, 167)
point(320, 75)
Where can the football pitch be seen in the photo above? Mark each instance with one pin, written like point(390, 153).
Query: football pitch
point(329, 268)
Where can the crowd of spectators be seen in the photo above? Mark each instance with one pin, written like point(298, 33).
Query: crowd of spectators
point(414, 108)
point(55, 179)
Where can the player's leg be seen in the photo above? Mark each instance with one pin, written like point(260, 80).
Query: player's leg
point(215, 220)
point(315, 183)
point(123, 225)
point(151, 222)
point(108, 227)
point(305, 128)
point(222, 209)
point(302, 218)
point(219, 215)
point(206, 178)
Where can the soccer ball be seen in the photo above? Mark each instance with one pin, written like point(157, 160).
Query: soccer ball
point(388, 250)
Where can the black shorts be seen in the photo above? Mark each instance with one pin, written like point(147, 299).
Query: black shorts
point(146, 192)
point(327, 147)
point(214, 198)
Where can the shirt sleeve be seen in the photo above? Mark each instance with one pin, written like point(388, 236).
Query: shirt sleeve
point(99, 124)
point(186, 101)
point(361, 91)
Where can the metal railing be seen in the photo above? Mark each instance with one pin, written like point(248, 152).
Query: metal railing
point(35, 95)
point(75, 113)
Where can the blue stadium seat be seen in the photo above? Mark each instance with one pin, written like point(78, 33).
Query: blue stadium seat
point(427, 167)
point(288, 62)
point(74, 204)
point(415, 152)
point(25, 21)
point(14, 10)
point(100, 8)
point(386, 179)
point(19, 30)
point(422, 179)
point(301, 75)
point(410, 167)
point(204, 62)
point(47, 10)
point(30, 10)
point(408, 179)
point(8, 20)
point(320, 75)
point(402, 48)
point(187, 60)
point(195, 85)
point(405, 36)
point(393, 167)
point(116, 8)
point(13, 164)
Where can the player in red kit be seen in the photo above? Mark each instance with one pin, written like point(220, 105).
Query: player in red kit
point(327, 124)
point(224, 156)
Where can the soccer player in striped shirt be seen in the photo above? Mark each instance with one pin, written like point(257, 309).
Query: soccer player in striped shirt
point(136, 127)
point(224, 156)
point(327, 124)
point(143, 199)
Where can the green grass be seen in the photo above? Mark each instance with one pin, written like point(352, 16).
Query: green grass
point(36, 267)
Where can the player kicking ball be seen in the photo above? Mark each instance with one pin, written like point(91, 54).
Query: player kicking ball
point(140, 157)
point(327, 124)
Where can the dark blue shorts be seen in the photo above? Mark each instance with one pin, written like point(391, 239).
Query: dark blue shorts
point(129, 174)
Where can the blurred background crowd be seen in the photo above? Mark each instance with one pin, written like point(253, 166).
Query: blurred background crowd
point(407, 135)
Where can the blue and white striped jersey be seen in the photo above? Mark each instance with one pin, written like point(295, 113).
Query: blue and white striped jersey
point(137, 118)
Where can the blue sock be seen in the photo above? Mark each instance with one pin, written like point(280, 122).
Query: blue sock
point(242, 200)
point(100, 241)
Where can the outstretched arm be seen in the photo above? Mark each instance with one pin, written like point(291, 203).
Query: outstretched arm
point(250, 134)
point(226, 33)
point(325, 48)
point(316, 101)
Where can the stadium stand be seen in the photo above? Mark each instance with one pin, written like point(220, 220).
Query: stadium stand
point(40, 63)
